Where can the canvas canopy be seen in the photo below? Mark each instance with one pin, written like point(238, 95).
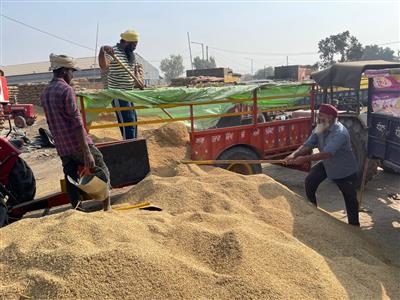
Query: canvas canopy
point(287, 95)
point(348, 74)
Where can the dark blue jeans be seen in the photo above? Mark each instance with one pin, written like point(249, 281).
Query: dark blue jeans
point(347, 186)
point(126, 116)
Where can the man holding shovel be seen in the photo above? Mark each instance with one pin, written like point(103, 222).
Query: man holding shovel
point(72, 142)
point(123, 73)
point(336, 160)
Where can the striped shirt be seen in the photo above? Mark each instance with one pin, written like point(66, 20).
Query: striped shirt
point(117, 76)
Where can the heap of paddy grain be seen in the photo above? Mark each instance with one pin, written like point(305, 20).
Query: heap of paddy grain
point(220, 236)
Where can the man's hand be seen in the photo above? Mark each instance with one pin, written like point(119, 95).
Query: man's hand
point(89, 162)
point(289, 158)
point(108, 49)
point(300, 160)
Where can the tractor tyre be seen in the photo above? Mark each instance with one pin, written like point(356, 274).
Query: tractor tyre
point(3, 212)
point(241, 153)
point(22, 183)
point(359, 140)
point(20, 122)
point(30, 121)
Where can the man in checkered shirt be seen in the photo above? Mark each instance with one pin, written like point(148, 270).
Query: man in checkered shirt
point(73, 144)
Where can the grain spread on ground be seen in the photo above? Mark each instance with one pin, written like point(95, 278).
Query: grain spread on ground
point(220, 236)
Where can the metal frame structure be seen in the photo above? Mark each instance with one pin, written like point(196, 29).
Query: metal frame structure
point(272, 139)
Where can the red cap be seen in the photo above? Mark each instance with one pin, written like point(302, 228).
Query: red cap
point(328, 109)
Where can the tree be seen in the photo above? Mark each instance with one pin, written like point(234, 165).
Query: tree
point(355, 50)
point(375, 52)
point(339, 47)
point(199, 63)
point(172, 66)
point(264, 73)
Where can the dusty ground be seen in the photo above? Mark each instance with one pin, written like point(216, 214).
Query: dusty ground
point(380, 221)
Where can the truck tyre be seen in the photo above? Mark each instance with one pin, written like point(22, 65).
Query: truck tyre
point(241, 153)
point(358, 137)
point(22, 183)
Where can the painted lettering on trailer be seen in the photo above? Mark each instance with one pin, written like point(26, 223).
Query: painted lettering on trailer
point(215, 138)
point(229, 136)
point(256, 132)
point(397, 132)
point(200, 140)
point(269, 130)
point(380, 127)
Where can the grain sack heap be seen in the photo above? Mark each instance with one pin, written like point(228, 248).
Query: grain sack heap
point(220, 236)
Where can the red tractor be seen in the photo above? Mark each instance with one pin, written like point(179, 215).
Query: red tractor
point(17, 182)
point(22, 114)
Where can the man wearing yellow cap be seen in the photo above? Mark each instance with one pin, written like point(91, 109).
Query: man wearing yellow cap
point(119, 78)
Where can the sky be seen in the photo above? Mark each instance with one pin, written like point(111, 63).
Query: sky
point(267, 32)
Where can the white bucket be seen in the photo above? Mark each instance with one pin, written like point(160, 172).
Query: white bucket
point(92, 185)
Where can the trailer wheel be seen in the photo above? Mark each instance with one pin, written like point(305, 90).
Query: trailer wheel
point(22, 183)
point(358, 137)
point(241, 153)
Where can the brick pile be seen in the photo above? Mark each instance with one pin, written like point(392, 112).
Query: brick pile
point(30, 93)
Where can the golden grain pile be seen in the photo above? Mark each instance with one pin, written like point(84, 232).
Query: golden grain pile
point(220, 236)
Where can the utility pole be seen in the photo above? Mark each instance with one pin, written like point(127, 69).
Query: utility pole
point(190, 51)
point(95, 48)
point(207, 52)
point(202, 48)
point(95, 53)
point(287, 60)
point(251, 64)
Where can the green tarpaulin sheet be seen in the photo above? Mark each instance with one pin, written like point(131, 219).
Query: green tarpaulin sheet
point(183, 95)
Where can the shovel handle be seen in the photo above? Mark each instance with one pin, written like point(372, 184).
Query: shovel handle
point(229, 161)
point(141, 86)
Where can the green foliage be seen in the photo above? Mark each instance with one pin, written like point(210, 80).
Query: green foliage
point(345, 47)
point(354, 50)
point(376, 52)
point(199, 63)
point(172, 66)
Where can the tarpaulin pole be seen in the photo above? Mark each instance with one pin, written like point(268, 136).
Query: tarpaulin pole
point(312, 103)
point(192, 142)
point(255, 110)
point(83, 113)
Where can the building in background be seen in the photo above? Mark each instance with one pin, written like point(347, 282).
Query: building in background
point(225, 73)
point(294, 72)
point(39, 72)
